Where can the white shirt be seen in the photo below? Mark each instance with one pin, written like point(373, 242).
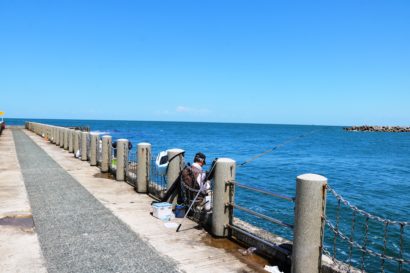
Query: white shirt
point(201, 177)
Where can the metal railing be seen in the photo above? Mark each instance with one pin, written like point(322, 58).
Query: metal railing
point(368, 243)
point(157, 184)
point(271, 220)
point(131, 169)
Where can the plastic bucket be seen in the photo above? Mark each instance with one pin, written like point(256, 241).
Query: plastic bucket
point(179, 211)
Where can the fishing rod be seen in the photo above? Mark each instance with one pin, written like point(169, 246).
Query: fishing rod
point(293, 139)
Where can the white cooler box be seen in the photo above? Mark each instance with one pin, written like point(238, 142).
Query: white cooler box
point(162, 211)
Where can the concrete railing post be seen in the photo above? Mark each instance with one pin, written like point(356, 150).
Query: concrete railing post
point(84, 139)
point(143, 167)
point(61, 137)
point(106, 153)
point(308, 229)
point(225, 171)
point(175, 165)
point(76, 142)
point(93, 148)
point(65, 138)
point(53, 134)
point(70, 140)
point(58, 136)
point(122, 159)
point(49, 135)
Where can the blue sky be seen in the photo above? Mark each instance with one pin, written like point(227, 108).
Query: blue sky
point(288, 62)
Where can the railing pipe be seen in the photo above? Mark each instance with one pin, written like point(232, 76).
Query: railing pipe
point(273, 194)
point(263, 216)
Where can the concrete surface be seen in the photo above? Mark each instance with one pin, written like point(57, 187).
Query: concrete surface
point(193, 250)
point(76, 232)
point(19, 246)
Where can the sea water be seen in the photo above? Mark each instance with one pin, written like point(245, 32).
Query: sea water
point(370, 170)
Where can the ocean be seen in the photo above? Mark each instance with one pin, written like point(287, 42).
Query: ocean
point(370, 170)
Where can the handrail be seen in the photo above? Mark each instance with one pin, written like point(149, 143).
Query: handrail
point(284, 197)
point(270, 219)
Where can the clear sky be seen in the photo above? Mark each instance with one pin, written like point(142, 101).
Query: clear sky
point(336, 62)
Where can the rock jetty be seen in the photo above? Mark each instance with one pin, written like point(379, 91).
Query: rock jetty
point(390, 129)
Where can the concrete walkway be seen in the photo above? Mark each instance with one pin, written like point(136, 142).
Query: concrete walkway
point(76, 232)
point(192, 250)
point(19, 247)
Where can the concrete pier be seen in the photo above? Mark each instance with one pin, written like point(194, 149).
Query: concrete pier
point(77, 233)
point(190, 250)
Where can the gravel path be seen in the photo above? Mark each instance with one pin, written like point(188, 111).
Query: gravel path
point(76, 232)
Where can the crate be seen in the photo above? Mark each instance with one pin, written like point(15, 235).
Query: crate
point(162, 211)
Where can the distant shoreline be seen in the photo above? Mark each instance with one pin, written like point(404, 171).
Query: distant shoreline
point(389, 129)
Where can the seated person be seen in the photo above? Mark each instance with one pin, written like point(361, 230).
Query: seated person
point(199, 174)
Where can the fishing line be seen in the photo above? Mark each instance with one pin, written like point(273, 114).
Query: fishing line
point(277, 147)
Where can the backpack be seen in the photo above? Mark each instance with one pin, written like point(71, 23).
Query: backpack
point(188, 177)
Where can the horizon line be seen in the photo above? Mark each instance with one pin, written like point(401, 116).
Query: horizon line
point(217, 122)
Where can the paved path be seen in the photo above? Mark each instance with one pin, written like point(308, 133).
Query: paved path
point(19, 246)
point(76, 232)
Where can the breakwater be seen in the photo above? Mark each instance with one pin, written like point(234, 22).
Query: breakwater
point(232, 207)
point(388, 129)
